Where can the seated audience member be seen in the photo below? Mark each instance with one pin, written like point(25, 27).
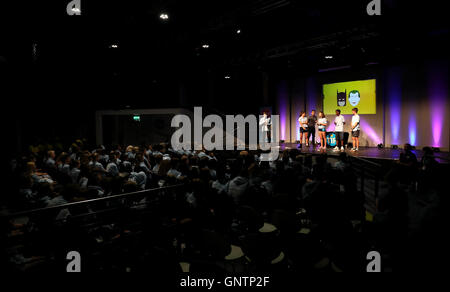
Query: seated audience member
point(26, 192)
point(164, 167)
point(112, 167)
point(140, 178)
point(238, 186)
point(36, 175)
point(95, 162)
point(130, 152)
point(75, 171)
point(158, 159)
point(142, 164)
point(95, 183)
point(174, 166)
point(407, 157)
point(428, 161)
point(67, 194)
point(50, 161)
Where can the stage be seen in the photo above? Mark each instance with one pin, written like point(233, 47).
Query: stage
point(369, 152)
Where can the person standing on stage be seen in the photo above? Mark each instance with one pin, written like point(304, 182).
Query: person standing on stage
point(322, 125)
point(303, 120)
point(264, 123)
point(312, 121)
point(339, 123)
point(355, 129)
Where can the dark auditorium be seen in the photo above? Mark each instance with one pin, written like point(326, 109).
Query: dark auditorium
point(224, 143)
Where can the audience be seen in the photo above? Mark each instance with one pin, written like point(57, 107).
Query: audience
point(242, 200)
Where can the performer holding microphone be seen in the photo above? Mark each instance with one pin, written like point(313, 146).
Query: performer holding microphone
point(264, 123)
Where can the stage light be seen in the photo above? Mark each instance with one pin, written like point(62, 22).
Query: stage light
point(205, 46)
point(136, 118)
point(113, 46)
point(164, 16)
point(393, 146)
point(435, 149)
point(380, 146)
point(127, 106)
point(76, 10)
point(238, 31)
point(328, 57)
point(227, 77)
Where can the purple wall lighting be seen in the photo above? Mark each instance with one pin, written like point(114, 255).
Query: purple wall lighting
point(283, 100)
point(331, 126)
point(437, 93)
point(366, 128)
point(394, 98)
point(412, 129)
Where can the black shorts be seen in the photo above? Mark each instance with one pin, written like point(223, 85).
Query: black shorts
point(339, 136)
point(355, 133)
point(322, 130)
point(303, 130)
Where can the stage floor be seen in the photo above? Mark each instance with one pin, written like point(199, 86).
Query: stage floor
point(370, 152)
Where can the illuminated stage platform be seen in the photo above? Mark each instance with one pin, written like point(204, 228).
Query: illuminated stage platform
point(369, 152)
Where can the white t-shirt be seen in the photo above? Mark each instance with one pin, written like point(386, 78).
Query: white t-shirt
point(264, 122)
point(355, 119)
point(303, 122)
point(339, 120)
point(322, 121)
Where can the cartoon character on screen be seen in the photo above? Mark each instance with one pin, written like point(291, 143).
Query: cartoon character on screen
point(342, 98)
point(354, 97)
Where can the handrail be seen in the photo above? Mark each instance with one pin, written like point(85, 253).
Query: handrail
point(63, 206)
point(366, 161)
point(368, 169)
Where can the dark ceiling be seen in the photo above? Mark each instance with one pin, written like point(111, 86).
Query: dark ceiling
point(44, 47)
point(265, 25)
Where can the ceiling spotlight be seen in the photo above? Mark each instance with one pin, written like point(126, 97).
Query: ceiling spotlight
point(205, 46)
point(114, 46)
point(164, 16)
point(238, 31)
point(34, 51)
point(227, 77)
point(328, 57)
